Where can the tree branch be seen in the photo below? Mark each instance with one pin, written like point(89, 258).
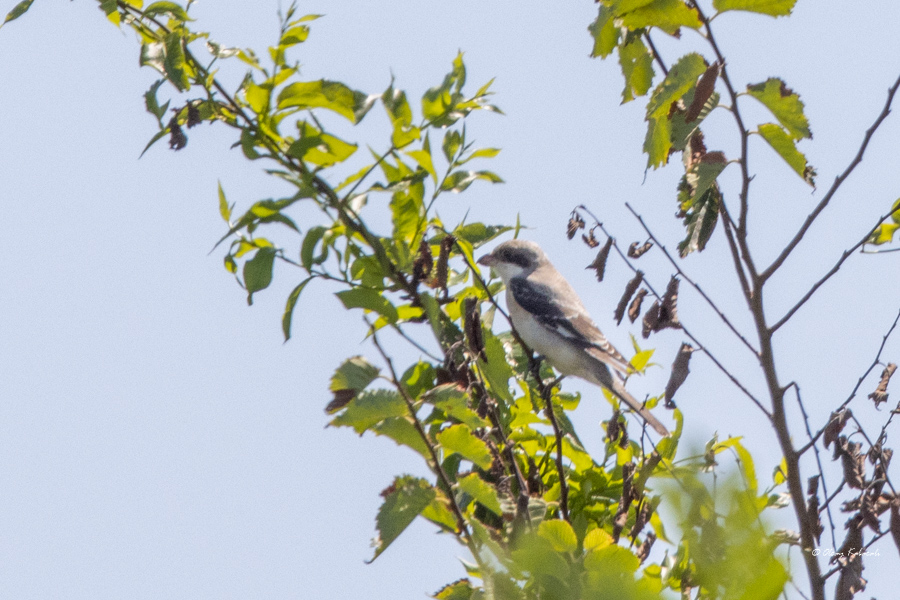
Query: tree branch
point(691, 282)
point(699, 344)
point(435, 460)
point(846, 254)
point(834, 186)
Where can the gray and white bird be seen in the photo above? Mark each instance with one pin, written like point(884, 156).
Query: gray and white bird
point(551, 319)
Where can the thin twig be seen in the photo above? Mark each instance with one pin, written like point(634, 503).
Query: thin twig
point(884, 464)
point(844, 256)
point(687, 332)
point(547, 395)
point(543, 389)
point(875, 362)
point(691, 282)
point(834, 186)
point(436, 463)
point(745, 136)
point(656, 55)
point(818, 458)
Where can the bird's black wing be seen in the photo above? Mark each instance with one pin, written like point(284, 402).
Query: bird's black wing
point(538, 300)
point(578, 328)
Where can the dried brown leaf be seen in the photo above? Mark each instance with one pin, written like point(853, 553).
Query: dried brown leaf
point(703, 91)
point(637, 250)
point(880, 394)
point(630, 288)
point(634, 309)
point(651, 320)
point(835, 425)
point(679, 373)
point(424, 263)
point(575, 223)
point(472, 326)
point(599, 263)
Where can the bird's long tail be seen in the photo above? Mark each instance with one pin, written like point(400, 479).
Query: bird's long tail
point(619, 390)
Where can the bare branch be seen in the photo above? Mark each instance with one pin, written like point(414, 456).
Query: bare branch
point(844, 256)
point(809, 433)
point(435, 460)
point(834, 186)
point(700, 345)
point(691, 282)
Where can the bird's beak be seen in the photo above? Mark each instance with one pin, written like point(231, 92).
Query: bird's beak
point(487, 260)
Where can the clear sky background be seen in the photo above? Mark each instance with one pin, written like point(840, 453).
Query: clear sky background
point(157, 438)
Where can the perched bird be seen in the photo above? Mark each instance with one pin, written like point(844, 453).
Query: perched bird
point(551, 319)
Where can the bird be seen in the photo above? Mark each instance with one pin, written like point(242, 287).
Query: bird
point(551, 319)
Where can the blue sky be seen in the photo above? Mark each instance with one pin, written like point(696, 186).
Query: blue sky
point(157, 438)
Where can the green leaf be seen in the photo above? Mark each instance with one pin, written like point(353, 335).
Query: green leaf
point(332, 95)
point(637, 68)
point(496, 370)
point(681, 78)
point(258, 271)
point(424, 160)
point(355, 373)
point(369, 408)
point(404, 433)
point(451, 144)
point(368, 299)
point(478, 234)
point(407, 212)
point(458, 590)
point(18, 10)
point(440, 103)
point(404, 501)
point(535, 555)
point(459, 439)
point(658, 141)
point(785, 104)
point(681, 129)
point(294, 35)
point(458, 181)
point(454, 403)
point(481, 153)
point(597, 539)
point(319, 148)
point(604, 32)
point(312, 238)
point(483, 492)
point(398, 110)
point(224, 209)
point(782, 143)
point(152, 103)
point(159, 8)
point(774, 8)
point(176, 68)
point(258, 98)
point(884, 233)
point(668, 15)
point(440, 513)
point(699, 201)
point(560, 534)
point(153, 54)
point(111, 9)
point(288, 315)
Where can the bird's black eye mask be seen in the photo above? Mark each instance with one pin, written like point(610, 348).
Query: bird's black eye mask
point(522, 257)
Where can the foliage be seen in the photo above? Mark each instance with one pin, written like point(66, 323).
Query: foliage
point(539, 515)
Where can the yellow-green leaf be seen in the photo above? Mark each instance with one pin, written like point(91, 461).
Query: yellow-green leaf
point(773, 8)
point(459, 439)
point(782, 143)
point(785, 104)
point(482, 491)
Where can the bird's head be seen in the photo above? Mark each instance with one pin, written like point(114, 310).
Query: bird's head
point(514, 258)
